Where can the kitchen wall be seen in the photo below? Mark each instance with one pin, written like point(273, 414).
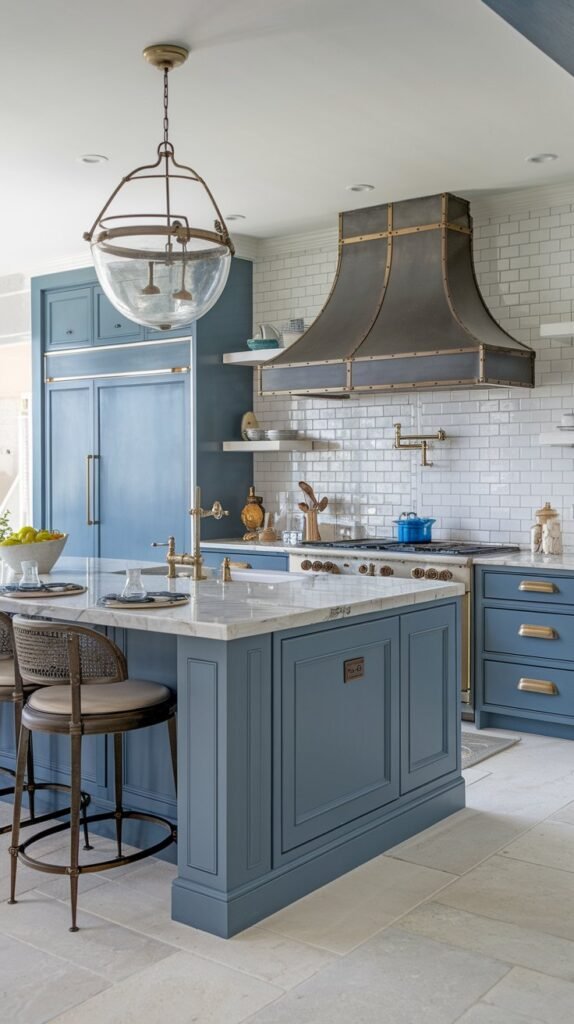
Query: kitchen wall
point(491, 473)
point(15, 377)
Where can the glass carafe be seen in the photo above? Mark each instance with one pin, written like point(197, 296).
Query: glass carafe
point(134, 589)
point(30, 579)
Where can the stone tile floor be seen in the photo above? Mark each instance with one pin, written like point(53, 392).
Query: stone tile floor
point(471, 921)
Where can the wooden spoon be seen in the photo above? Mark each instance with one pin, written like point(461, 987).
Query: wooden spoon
point(304, 506)
point(322, 504)
point(308, 490)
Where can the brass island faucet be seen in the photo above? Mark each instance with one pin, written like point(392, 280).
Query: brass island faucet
point(197, 513)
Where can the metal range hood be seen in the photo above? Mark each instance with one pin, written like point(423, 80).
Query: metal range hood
point(404, 312)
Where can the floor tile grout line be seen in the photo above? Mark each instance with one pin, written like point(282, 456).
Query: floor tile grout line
point(488, 990)
point(204, 956)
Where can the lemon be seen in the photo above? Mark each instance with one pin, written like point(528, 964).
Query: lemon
point(44, 535)
point(10, 541)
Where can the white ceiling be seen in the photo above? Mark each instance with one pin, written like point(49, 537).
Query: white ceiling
point(282, 104)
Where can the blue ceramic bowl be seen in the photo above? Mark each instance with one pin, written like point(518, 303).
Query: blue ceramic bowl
point(255, 343)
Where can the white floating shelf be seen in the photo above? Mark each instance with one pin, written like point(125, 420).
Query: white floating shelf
point(268, 446)
point(249, 358)
point(562, 329)
point(558, 438)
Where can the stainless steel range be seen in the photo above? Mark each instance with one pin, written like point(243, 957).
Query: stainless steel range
point(433, 560)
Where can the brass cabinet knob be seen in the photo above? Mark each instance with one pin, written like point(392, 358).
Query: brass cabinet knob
point(386, 570)
point(445, 574)
point(431, 574)
point(363, 569)
point(418, 573)
point(306, 565)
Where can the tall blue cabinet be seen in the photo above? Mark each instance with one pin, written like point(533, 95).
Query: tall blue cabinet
point(127, 420)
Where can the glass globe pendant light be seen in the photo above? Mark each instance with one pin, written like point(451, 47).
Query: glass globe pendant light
point(157, 268)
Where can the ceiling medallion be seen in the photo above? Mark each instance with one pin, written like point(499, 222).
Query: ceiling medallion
point(156, 268)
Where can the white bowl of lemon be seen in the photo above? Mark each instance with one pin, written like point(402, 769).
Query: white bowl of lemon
point(28, 544)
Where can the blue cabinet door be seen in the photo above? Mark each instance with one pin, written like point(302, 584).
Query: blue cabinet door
point(110, 325)
point(338, 709)
point(430, 678)
point(67, 316)
point(143, 481)
point(69, 471)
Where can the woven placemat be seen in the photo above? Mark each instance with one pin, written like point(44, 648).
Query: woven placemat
point(50, 590)
point(152, 602)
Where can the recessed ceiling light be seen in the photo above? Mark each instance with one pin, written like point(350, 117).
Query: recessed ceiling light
point(542, 158)
point(359, 188)
point(235, 216)
point(93, 158)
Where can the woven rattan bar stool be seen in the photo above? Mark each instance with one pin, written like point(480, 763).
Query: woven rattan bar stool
point(85, 691)
point(13, 691)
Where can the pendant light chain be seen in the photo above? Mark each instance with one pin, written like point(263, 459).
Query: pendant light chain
point(165, 105)
point(166, 155)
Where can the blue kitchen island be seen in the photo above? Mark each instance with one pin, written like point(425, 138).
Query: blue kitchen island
point(317, 726)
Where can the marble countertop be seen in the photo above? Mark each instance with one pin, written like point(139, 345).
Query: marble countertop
point(249, 606)
point(526, 560)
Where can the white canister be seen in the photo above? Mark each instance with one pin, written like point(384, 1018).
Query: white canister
point(536, 538)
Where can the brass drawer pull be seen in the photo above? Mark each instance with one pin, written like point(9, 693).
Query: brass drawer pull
point(241, 565)
point(538, 686)
point(538, 587)
point(538, 632)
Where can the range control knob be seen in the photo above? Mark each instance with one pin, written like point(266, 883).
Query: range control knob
point(317, 566)
point(386, 570)
point(431, 574)
point(306, 565)
point(445, 574)
point(418, 573)
point(329, 567)
point(363, 569)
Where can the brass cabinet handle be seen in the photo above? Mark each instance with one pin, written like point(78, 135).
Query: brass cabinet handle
point(538, 686)
point(537, 587)
point(95, 458)
point(89, 520)
point(241, 565)
point(538, 632)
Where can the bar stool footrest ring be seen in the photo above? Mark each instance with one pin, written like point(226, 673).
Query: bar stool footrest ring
point(58, 787)
point(100, 865)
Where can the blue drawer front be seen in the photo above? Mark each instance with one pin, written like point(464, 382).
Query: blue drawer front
point(501, 681)
point(95, 362)
point(505, 586)
point(502, 633)
point(276, 563)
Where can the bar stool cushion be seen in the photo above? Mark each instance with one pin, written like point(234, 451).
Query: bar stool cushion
point(100, 698)
point(7, 674)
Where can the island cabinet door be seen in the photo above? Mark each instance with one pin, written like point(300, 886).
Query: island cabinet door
point(337, 730)
point(429, 688)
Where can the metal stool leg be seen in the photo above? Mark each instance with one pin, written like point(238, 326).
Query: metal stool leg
point(23, 744)
point(118, 774)
point(172, 729)
point(31, 787)
point(75, 810)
